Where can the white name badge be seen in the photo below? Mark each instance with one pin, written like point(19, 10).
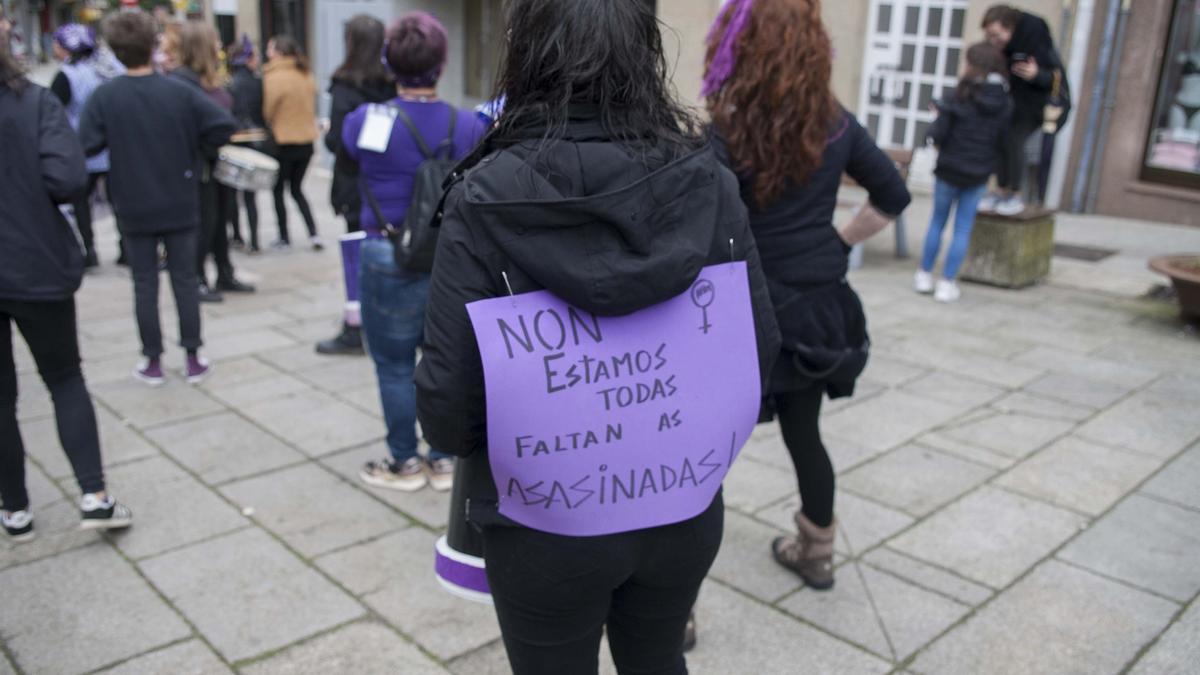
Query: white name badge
point(377, 130)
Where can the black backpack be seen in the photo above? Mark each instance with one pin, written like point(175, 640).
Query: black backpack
point(415, 241)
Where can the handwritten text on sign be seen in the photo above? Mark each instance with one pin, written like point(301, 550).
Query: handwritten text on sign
point(609, 424)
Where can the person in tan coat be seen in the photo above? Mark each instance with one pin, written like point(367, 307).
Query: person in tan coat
point(289, 108)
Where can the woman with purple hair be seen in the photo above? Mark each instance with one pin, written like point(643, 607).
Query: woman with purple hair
point(84, 69)
point(416, 125)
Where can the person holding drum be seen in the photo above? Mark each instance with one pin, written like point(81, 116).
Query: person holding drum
point(158, 133)
point(289, 107)
point(597, 185)
point(246, 88)
point(198, 57)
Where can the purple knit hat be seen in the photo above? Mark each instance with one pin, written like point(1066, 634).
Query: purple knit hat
point(724, 59)
point(243, 53)
point(432, 50)
point(75, 38)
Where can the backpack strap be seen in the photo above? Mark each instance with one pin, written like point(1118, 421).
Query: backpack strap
point(383, 223)
point(420, 140)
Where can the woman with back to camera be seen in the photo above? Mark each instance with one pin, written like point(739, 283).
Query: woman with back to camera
point(596, 185)
point(393, 299)
point(289, 107)
point(362, 78)
point(789, 140)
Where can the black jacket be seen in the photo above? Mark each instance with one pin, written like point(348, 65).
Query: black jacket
point(589, 221)
point(159, 131)
point(41, 164)
point(1031, 37)
point(970, 134)
point(347, 97)
point(246, 88)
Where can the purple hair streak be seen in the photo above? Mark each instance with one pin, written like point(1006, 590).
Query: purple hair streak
point(724, 59)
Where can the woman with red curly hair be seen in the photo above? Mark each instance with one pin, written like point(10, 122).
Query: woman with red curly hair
point(780, 128)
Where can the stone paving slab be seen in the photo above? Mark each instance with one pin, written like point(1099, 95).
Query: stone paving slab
point(1177, 651)
point(750, 485)
point(283, 502)
point(740, 635)
point(81, 610)
point(896, 418)
point(1079, 475)
point(862, 524)
point(248, 595)
point(927, 576)
point(953, 389)
point(1105, 370)
point(1011, 435)
point(1147, 422)
point(416, 604)
point(1145, 543)
point(315, 422)
point(745, 563)
point(223, 447)
point(1041, 406)
point(363, 647)
point(915, 479)
point(145, 406)
point(172, 508)
point(990, 536)
point(1180, 481)
point(1079, 390)
point(57, 531)
point(1059, 619)
point(186, 658)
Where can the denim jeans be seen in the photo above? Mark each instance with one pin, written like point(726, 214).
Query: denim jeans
point(393, 324)
point(944, 197)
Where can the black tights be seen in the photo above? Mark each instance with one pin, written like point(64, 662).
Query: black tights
point(799, 412)
point(293, 163)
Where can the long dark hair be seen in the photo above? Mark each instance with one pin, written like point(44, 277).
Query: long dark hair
point(286, 45)
point(12, 75)
point(364, 43)
point(607, 53)
point(982, 60)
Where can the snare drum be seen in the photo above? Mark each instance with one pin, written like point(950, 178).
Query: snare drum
point(245, 169)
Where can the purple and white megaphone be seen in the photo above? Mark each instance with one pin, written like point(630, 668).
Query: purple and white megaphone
point(459, 553)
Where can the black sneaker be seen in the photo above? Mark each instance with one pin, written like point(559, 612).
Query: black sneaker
point(234, 286)
point(103, 514)
point(209, 295)
point(349, 341)
point(19, 525)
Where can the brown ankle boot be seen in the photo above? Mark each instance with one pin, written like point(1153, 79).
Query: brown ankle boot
point(809, 554)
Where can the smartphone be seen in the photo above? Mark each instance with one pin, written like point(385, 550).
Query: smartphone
point(1020, 56)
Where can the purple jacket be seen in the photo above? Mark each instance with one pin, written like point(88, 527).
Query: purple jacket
point(390, 174)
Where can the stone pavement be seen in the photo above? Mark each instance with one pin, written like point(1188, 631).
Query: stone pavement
point(1019, 491)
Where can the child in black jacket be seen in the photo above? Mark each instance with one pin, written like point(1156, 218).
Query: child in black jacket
point(969, 133)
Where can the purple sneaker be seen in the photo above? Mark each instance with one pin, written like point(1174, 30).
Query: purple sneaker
point(197, 369)
point(149, 371)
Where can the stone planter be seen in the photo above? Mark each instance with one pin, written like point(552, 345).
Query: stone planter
point(1011, 251)
point(1184, 271)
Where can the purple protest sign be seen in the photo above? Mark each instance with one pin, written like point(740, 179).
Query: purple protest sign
point(599, 425)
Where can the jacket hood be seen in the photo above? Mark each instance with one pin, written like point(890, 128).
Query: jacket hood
point(992, 98)
point(606, 229)
point(372, 89)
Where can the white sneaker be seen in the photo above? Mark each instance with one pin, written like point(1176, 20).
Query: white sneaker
point(440, 473)
point(988, 202)
point(946, 291)
point(19, 525)
point(923, 282)
point(1010, 206)
point(317, 244)
point(406, 477)
point(103, 514)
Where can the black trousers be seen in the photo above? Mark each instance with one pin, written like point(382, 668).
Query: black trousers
point(799, 413)
point(251, 216)
point(1012, 159)
point(555, 595)
point(50, 331)
point(215, 200)
point(83, 209)
point(181, 265)
point(293, 164)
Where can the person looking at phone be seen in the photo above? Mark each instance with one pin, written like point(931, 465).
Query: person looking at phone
point(1032, 59)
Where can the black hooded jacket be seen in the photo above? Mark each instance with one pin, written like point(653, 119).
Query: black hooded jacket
point(1031, 38)
point(970, 134)
point(41, 164)
point(346, 97)
point(602, 228)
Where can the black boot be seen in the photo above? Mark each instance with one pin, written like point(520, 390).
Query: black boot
point(348, 342)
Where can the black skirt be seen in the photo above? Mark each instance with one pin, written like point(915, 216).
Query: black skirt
point(825, 340)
